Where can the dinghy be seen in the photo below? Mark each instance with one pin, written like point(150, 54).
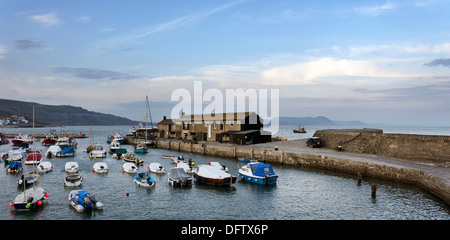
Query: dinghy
point(66, 152)
point(131, 157)
point(129, 167)
point(156, 168)
point(29, 199)
point(100, 167)
point(73, 180)
point(260, 173)
point(71, 167)
point(144, 179)
point(14, 167)
point(34, 157)
point(52, 151)
point(28, 178)
point(82, 201)
point(44, 167)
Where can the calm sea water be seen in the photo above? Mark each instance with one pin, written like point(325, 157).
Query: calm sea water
point(301, 193)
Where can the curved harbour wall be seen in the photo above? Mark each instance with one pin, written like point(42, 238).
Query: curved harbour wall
point(437, 184)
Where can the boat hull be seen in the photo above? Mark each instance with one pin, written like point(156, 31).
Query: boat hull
point(259, 180)
point(37, 195)
point(214, 181)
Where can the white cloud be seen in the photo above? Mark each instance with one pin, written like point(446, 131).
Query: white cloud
point(3, 51)
point(403, 48)
point(375, 10)
point(83, 19)
point(48, 20)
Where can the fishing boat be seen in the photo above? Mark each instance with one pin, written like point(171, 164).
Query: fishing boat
point(299, 130)
point(34, 157)
point(144, 179)
point(184, 166)
point(131, 157)
point(44, 166)
point(66, 152)
point(141, 148)
point(14, 167)
point(73, 180)
point(19, 139)
point(156, 168)
point(211, 175)
point(129, 167)
point(119, 153)
point(100, 167)
point(52, 151)
point(117, 137)
point(50, 139)
point(29, 199)
point(217, 164)
point(97, 152)
point(113, 147)
point(82, 201)
point(178, 177)
point(71, 167)
point(260, 173)
point(66, 142)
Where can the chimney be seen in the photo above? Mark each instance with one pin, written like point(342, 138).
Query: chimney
point(164, 117)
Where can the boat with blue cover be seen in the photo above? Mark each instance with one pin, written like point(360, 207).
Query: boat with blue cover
point(260, 173)
point(144, 179)
point(66, 152)
point(81, 201)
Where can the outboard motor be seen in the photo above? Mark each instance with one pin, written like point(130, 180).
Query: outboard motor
point(87, 203)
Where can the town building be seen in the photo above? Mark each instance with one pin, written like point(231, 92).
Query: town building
point(237, 128)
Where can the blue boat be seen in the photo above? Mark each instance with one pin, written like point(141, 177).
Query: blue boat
point(141, 148)
point(260, 173)
point(66, 152)
point(14, 167)
point(144, 179)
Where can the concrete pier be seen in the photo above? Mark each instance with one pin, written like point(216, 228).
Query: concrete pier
point(434, 177)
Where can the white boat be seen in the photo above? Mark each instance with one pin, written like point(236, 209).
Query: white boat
point(144, 179)
point(217, 164)
point(129, 167)
point(65, 142)
point(156, 168)
point(19, 139)
point(117, 137)
point(45, 166)
point(100, 167)
point(113, 147)
point(178, 177)
point(184, 166)
point(52, 151)
point(82, 201)
point(72, 167)
point(178, 159)
point(211, 175)
point(97, 152)
point(73, 180)
point(15, 155)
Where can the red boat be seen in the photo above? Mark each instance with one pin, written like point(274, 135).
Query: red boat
point(34, 157)
point(21, 139)
point(49, 140)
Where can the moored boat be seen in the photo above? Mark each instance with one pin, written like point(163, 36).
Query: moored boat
point(50, 139)
point(44, 166)
point(73, 180)
point(217, 164)
point(66, 142)
point(141, 148)
point(144, 179)
point(52, 151)
point(129, 167)
point(113, 147)
point(29, 199)
point(14, 167)
point(97, 152)
point(100, 167)
point(178, 177)
point(82, 201)
point(71, 167)
point(66, 152)
point(34, 157)
point(28, 178)
point(211, 175)
point(131, 157)
point(260, 173)
point(19, 139)
point(185, 166)
point(156, 168)
point(117, 137)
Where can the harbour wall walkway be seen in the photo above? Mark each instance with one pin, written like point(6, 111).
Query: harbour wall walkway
point(434, 177)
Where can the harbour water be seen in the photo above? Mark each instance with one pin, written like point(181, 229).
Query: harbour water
point(300, 194)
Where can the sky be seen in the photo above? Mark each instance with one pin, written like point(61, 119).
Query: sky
point(374, 61)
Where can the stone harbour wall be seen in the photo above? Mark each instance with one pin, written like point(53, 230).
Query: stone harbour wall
point(427, 148)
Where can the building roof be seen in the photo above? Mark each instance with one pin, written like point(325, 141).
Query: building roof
point(216, 117)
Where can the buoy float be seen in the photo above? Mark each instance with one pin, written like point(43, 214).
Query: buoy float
point(39, 203)
point(46, 194)
point(127, 194)
point(11, 204)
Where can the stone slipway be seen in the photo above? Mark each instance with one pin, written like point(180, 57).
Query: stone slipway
point(434, 177)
